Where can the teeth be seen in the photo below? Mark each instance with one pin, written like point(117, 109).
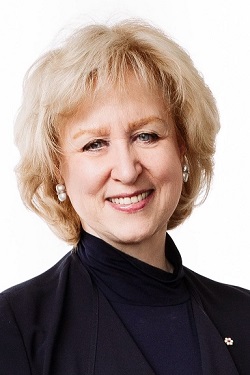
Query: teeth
point(130, 200)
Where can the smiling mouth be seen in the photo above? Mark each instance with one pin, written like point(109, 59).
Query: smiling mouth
point(130, 200)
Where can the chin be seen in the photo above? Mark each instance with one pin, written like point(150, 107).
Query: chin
point(131, 239)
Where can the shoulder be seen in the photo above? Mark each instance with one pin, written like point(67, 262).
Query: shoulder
point(32, 313)
point(19, 306)
point(44, 293)
point(49, 281)
point(222, 302)
point(214, 289)
point(51, 275)
point(228, 308)
point(41, 289)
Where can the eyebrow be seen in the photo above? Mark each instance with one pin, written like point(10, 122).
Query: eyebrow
point(104, 131)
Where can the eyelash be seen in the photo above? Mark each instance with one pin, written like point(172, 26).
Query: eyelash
point(154, 137)
point(89, 146)
point(101, 143)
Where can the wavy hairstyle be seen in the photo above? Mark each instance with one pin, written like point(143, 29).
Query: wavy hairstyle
point(91, 57)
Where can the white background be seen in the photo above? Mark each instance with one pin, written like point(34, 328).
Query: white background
point(215, 241)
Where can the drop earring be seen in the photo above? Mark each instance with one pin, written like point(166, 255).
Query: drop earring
point(185, 171)
point(61, 194)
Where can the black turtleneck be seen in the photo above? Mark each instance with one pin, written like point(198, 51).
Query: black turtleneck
point(154, 305)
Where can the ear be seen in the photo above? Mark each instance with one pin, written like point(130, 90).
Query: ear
point(58, 173)
point(181, 144)
point(183, 151)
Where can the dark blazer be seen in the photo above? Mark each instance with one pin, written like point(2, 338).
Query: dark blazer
point(60, 324)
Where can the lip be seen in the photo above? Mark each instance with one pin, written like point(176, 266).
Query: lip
point(145, 197)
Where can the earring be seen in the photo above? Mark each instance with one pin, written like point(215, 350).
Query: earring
point(185, 171)
point(61, 194)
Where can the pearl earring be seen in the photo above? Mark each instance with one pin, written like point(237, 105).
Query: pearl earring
point(185, 171)
point(61, 194)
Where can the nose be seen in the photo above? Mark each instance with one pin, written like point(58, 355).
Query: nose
point(126, 166)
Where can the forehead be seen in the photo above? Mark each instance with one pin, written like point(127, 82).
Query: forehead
point(118, 95)
point(132, 105)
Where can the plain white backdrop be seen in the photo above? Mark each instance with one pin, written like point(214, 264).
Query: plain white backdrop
point(215, 241)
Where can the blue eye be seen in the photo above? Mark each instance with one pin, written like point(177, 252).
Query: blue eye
point(95, 145)
point(147, 137)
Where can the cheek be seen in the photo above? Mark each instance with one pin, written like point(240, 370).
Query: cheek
point(167, 168)
point(81, 178)
point(171, 179)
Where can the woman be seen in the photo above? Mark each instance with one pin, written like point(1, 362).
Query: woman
point(116, 134)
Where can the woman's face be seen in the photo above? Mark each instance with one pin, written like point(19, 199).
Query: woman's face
point(122, 165)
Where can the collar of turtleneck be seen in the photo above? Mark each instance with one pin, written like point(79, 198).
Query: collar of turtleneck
point(125, 279)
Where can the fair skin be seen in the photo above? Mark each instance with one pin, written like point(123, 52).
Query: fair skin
point(122, 169)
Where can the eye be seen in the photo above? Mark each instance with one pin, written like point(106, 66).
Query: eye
point(95, 145)
point(147, 137)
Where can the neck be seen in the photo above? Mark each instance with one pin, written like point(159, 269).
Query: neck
point(150, 251)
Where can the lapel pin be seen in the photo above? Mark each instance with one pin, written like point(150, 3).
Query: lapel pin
point(228, 341)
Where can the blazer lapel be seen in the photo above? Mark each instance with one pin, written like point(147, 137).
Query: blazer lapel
point(116, 351)
point(215, 356)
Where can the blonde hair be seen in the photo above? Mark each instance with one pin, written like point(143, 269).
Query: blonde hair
point(91, 57)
